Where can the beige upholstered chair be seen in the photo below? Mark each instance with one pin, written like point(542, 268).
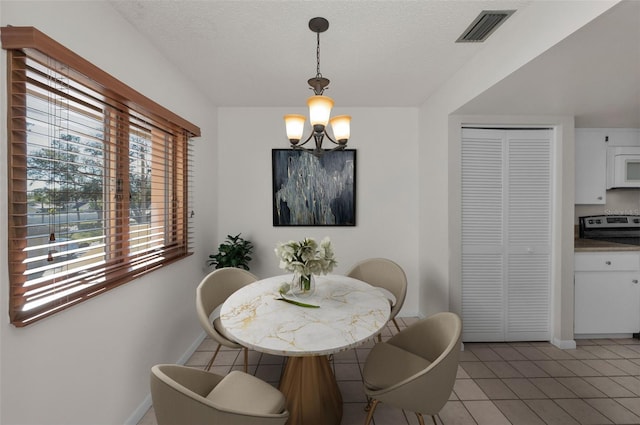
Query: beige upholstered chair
point(415, 369)
point(185, 396)
point(385, 274)
point(214, 289)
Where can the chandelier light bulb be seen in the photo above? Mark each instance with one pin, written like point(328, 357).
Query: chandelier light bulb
point(341, 126)
point(295, 126)
point(319, 110)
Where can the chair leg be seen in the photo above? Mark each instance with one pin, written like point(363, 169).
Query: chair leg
point(368, 406)
point(246, 359)
point(371, 410)
point(380, 337)
point(434, 420)
point(396, 323)
point(212, 358)
point(420, 418)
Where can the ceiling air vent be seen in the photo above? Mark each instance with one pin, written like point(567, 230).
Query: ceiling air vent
point(482, 27)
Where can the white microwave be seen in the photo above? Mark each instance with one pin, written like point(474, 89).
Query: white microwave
point(623, 167)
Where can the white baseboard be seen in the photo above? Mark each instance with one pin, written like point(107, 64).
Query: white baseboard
point(140, 411)
point(564, 344)
point(192, 349)
point(603, 336)
point(144, 407)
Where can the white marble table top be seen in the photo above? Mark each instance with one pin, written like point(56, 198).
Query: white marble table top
point(350, 312)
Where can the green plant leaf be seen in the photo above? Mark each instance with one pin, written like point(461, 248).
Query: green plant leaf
point(298, 303)
point(233, 252)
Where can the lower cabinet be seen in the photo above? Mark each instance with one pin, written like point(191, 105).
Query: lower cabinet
point(607, 293)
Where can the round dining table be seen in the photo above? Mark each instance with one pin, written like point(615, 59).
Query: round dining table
point(348, 312)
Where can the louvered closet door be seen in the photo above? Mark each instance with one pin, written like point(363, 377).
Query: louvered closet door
point(482, 235)
point(528, 221)
point(506, 228)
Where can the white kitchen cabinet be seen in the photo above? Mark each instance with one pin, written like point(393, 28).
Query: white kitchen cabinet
point(607, 293)
point(590, 165)
point(622, 136)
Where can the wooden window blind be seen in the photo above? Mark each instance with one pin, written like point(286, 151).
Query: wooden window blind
point(99, 179)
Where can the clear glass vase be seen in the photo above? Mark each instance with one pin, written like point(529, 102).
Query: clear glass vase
point(303, 285)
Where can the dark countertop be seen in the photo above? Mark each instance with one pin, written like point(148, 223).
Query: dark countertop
point(592, 245)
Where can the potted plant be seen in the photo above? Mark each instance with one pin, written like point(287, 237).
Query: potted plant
point(233, 252)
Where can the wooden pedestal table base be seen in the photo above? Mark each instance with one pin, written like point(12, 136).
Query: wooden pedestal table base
point(311, 390)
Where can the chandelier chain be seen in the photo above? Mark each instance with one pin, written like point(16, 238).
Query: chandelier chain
point(318, 74)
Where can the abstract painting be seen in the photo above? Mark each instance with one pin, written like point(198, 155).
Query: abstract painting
point(310, 190)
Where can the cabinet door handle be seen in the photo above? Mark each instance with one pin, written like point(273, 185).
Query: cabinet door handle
point(608, 263)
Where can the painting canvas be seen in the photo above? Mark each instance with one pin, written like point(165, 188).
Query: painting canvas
point(310, 190)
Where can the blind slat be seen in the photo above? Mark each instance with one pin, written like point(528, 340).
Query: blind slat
point(98, 188)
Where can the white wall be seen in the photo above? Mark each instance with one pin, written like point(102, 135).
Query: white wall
point(90, 364)
point(438, 154)
point(386, 188)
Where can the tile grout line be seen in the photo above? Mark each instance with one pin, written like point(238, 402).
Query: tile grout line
point(586, 352)
point(604, 414)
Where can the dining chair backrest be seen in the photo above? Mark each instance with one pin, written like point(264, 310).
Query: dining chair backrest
point(214, 289)
point(383, 273)
point(437, 340)
point(182, 395)
point(218, 285)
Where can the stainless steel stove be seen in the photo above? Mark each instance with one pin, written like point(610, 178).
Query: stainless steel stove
point(624, 229)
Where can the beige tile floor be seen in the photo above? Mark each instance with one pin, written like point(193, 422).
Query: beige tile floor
point(532, 383)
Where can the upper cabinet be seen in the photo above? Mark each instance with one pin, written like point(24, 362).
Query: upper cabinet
point(622, 136)
point(592, 166)
point(591, 160)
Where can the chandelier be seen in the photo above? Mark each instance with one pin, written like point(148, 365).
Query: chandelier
point(319, 109)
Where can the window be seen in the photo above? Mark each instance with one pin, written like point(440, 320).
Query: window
point(98, 179)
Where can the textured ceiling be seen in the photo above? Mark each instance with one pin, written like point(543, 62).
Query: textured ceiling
point(594, 74)
point(261, 53)
point(390, 53)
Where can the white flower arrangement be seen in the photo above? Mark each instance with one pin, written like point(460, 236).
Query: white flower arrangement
point(306, 257)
